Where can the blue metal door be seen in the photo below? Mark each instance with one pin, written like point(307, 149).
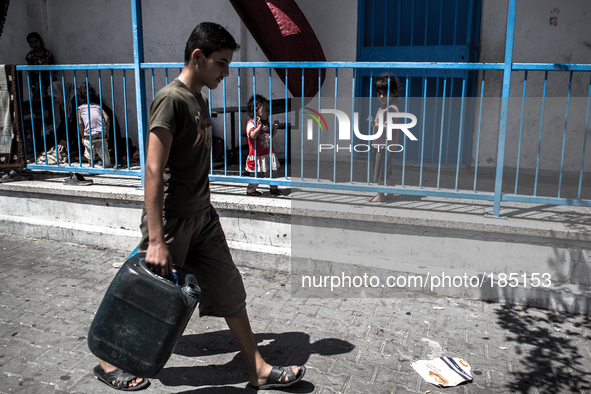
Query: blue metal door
point(424, 31)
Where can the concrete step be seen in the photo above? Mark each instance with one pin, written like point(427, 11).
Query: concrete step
point(539, 255)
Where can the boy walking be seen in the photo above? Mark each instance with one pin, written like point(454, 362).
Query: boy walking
point(179, 225)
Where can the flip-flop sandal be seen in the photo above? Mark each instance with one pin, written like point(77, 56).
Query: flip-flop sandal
point(121, 379)
point(277, 192)
point(282, 377)
point(13, 176)
point(256, 193)
point(77, 179)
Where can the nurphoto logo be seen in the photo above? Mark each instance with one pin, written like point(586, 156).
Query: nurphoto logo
point(391, 123)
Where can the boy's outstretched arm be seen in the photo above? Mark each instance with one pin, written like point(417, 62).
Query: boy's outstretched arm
point(158, 258)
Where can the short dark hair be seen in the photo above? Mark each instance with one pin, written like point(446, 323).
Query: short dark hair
point(209, 37)
point(381, 83)
point(36, 35)
point(260, 100)
point(83, 98)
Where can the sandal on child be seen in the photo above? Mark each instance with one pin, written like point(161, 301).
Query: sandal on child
point(277, 192)
point(255, 193)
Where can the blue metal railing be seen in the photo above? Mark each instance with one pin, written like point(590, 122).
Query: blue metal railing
point(231, 173)
point(326, 174)
point(42, 117)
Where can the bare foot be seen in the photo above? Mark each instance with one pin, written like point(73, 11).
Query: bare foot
point(380, 197)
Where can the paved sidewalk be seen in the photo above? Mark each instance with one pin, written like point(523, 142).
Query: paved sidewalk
point(49, 292)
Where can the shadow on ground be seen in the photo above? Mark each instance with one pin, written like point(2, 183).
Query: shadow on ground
point(549, 350)
point(301, 388)
point(289, 348)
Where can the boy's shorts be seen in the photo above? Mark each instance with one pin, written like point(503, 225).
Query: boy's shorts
point(199, 245)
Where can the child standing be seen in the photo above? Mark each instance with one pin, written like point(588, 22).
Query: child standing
point(38, 56)
point(259, 136)
point(95, 123)
point(378, 154)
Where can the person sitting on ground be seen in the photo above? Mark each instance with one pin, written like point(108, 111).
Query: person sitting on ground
point(259, 145)
point(177, 188)
point(95, 123)
point(65, 119)
point(117, 140)
point(66, 116)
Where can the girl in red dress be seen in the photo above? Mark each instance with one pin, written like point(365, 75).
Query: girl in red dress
point(259, 144)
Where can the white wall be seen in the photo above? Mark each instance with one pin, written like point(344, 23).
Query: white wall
point(13, 43)
point(566, 40)
point(100, 32)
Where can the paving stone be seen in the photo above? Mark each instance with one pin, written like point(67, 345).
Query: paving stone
point(476, 326)
point(360, 371)
point(482, 365)
point(395, 335)
point(276, 315)
point(502, 380)
point(349, 330)
point(284, 295)
point(350, 304)
point(72, 314)
point(301, 308)
point(14, 366)
point(328, 302)
point(401, 321)
point(9, 302)
point(26, 351)
point(447, 390)
point(357, 386)
point(402, 390)
point(38, 307)
point(52, 376)
point(302, 320)
point(372, 321)
point(410, 353)
point(334, 382)
point(388, 375)
point(17, 384)
point(329, 313)
point(9, 315)
point(439, 333)
point(280, 328)
point(341, 349)
point(456, 348)
point(66, 360)
point(321, 363)
point(260, 325)
point(67, 329)
point(88, 383)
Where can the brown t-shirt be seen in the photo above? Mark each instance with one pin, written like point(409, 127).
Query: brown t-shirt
point(185, 114)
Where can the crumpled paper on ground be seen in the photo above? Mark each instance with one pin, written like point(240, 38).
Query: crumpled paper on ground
point(443, 371)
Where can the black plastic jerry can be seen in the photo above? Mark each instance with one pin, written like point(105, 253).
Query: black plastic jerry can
point(142, 317)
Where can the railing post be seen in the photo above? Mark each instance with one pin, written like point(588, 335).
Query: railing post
point(504, 106)
point(139, 74)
